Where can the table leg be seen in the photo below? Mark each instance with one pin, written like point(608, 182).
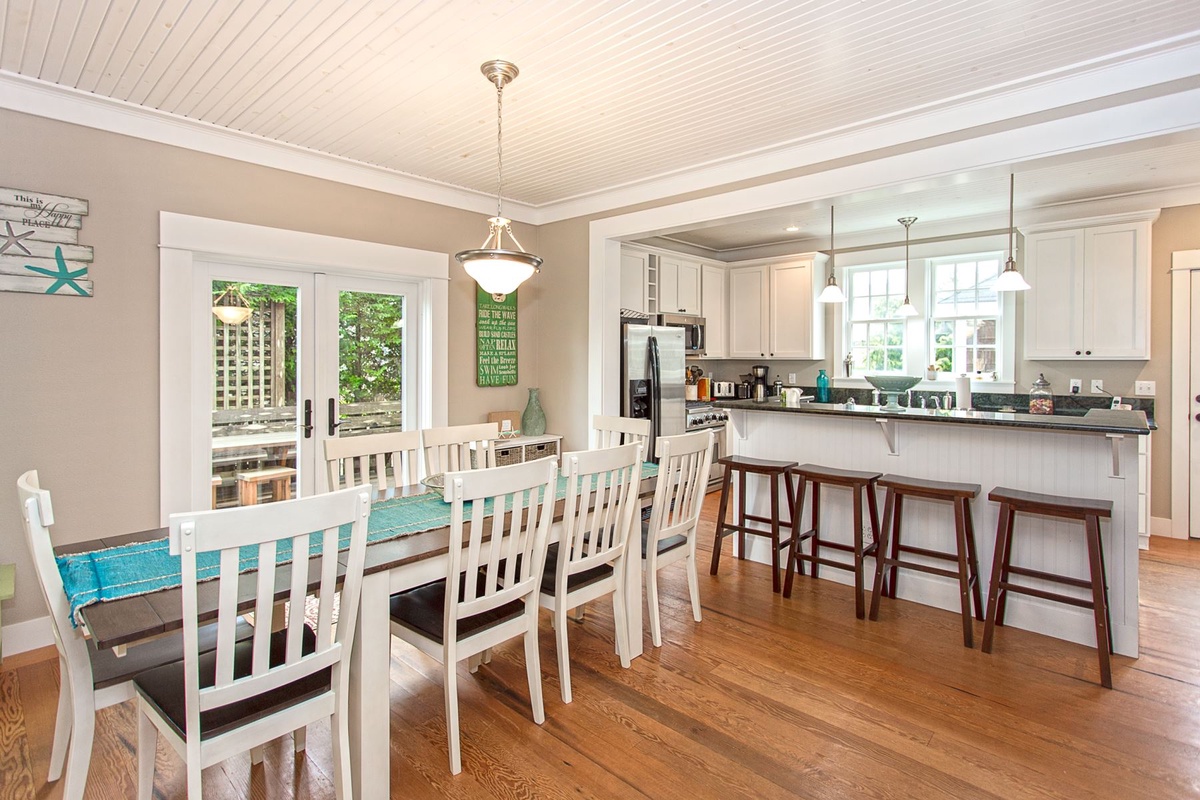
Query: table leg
point(370, 683)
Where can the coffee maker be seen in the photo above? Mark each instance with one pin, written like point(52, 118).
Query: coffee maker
point(760, 389)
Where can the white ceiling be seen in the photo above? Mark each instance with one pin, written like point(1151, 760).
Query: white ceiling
point(612, 93)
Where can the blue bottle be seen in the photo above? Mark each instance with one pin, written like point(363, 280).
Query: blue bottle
point(822, 387)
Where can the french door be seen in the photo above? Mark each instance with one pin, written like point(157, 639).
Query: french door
point(319, 355)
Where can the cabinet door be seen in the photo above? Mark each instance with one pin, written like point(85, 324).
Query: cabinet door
point(668, 285)
point(1116, 322)
point(792, 328)
point(1054, 305)
point(747, 312)
point(633, 279)
point(688, 294)
point(712, 307)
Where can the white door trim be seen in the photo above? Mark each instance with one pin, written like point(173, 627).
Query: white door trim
point(184, 239)
point(1185, 268)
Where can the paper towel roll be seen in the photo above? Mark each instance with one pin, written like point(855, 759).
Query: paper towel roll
point(962, 391)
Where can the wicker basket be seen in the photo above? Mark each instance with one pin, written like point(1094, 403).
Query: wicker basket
point(505, 456)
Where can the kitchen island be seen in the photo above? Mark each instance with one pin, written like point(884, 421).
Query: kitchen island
point(1095, 455)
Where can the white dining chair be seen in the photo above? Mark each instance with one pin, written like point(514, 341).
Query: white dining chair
point(490, 594)
point(616, 431)
point(589, 559)
point(459, 447)
point(670, 535)
point(383, 460)
point(89, 678)
point(244, 694)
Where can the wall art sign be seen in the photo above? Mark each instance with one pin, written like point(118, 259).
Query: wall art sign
point(39, 244)
point(495, 338)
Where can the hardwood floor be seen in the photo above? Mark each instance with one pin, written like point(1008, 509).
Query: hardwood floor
point(766, 698)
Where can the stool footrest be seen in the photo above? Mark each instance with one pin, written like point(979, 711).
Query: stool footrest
point(945, 573)
point(1061, 598)
point(727, 530)
point(1047, 576)
point(868, 549)
point(921, 551)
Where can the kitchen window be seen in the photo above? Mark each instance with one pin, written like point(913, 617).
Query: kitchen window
point(963, 326)
point(877, 333)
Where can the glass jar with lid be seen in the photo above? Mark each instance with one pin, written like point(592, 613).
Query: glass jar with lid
point(1041, 399)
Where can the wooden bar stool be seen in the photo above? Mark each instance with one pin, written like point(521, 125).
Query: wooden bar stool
point(776, 472)
point(967, 574)
point(858, 482)
point(1089, 512)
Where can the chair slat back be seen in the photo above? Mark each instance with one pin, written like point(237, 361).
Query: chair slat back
point(683, 472)
point(223, 544)
point(616, 431)
point(459, 447)
point(502, 518)
point(37, 513)
point(384, 460)
point(600, 507)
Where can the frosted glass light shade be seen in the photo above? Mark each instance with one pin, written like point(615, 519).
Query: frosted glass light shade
point(907, 310)
point(498, 271)
point(1011, 281)
point(832, 293)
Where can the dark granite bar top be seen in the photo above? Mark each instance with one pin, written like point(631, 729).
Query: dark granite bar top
point(1096, 420)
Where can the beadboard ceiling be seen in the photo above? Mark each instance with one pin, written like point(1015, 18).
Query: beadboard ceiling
point(612, 93)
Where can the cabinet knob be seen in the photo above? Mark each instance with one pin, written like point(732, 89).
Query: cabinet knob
point(1078, 353)
point(1198, 418)
point(1088, 353)
point(1198, 398)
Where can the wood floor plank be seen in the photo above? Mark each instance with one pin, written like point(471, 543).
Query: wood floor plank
point(16, 774)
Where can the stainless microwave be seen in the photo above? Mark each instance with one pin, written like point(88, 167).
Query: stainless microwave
point(693, 331)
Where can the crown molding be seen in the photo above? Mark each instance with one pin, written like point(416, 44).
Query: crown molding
point(44, 99)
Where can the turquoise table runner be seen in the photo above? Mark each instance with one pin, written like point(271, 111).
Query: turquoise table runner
point(114, 573)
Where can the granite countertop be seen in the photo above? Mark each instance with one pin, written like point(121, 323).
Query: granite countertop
point(1096, 420)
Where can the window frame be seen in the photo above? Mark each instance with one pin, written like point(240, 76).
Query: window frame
point(918, 331)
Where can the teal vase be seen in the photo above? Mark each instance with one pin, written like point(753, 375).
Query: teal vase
point(533, 421)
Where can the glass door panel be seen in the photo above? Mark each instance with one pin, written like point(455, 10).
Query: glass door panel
point(370, 382)
point(255, 429)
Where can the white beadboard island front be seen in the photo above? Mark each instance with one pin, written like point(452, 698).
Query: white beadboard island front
point(1094, 456)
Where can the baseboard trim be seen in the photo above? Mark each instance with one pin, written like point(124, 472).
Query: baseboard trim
point(21, 637)
point(1161, 526)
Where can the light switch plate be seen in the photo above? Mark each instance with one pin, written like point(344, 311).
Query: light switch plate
point(1143, 388)
point(792, 378)
point(1097, 386)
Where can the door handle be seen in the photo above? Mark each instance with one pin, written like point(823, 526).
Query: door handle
point(308, 426)
point(333, 417)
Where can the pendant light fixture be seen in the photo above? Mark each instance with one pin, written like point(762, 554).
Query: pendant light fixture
point(832, 293)
point(231, 306)
point(908, 309)
point(1010, 280)
point(499, 270)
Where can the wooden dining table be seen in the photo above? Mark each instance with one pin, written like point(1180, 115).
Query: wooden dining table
point(391, 566)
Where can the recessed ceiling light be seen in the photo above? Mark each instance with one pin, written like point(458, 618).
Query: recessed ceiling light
point(791, 229)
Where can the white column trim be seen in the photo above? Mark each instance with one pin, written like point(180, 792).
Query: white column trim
point(1184, 266)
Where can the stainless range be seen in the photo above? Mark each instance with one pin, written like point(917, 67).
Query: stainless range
point(700, 415)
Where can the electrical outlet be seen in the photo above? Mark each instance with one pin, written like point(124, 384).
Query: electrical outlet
point(1097, 386)
point(792, 378)
point(1143, 388)
point(1076, 385)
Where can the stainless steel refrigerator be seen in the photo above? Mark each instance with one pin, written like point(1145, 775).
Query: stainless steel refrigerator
point(652, 373)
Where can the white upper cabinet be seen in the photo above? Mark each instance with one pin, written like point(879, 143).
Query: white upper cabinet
point(679, 285)
point(772, 313)
point(1090, 289)
point(635, 266)
point(713, 309)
